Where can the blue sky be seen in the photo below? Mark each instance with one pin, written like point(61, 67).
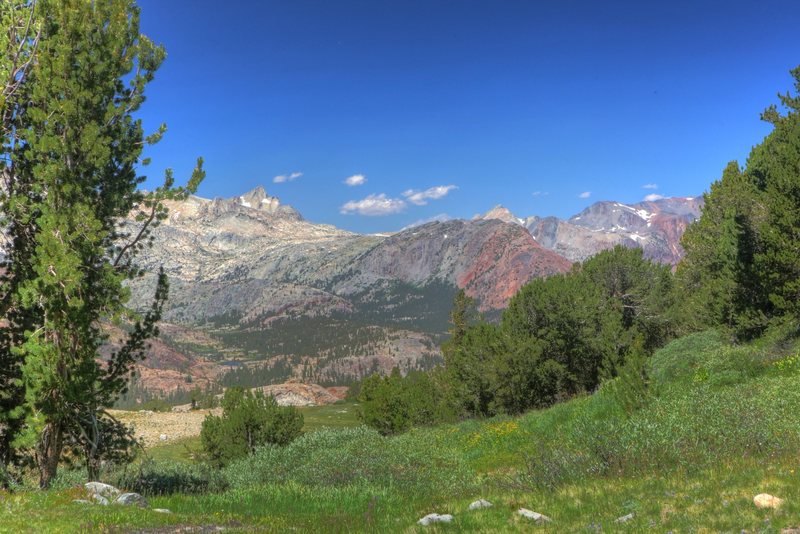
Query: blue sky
point(456, 106)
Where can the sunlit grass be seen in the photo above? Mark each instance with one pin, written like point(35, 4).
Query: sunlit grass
point(690, 461)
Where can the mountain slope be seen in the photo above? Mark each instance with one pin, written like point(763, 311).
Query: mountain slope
point(655, 226)
point(311, 298)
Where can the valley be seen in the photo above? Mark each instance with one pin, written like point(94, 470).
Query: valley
point(259, 295)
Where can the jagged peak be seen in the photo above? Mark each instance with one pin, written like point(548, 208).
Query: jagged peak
point(502, 213)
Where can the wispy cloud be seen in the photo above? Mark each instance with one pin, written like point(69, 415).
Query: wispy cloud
point(420, 198)
point(281, 178)
point(374, 205)
point(585, 194)
point(356, 179)
point(652, 197)
point(540, 193)
point(650, 186)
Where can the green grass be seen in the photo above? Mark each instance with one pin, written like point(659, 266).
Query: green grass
point(723, 425)
point(179, 450)
point(343, 414)
point(712, 500)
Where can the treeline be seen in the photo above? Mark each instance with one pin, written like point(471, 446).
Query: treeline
point(560, 336)
point(566, 334)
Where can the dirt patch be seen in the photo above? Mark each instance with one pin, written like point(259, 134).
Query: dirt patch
point(150, 426)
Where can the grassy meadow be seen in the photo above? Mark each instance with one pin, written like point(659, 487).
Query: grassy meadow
point(721, 424)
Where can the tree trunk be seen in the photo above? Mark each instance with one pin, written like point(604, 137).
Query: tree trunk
point(48, 453)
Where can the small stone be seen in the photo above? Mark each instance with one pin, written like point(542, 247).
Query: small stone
point(162, 510)
point(435, 518)
point(536, 516)
point(624, 518)
point(104, 490)
point(480, 503)
point(163, 437)
point(99, 499)
point(765, 500)
point(132, 499)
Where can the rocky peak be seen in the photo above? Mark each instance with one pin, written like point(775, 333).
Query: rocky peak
point(259, 200)
point(501, 213)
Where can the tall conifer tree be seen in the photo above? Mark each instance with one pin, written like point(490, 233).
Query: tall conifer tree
point(72, 180)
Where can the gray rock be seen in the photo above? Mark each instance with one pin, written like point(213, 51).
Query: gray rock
point(536, 516)
point(132, 499)
point(104, 490)
point(765, 500)
point(480, 503)
point(162, 510)
point(624, 518)
point(99, 499)
point(435, 518)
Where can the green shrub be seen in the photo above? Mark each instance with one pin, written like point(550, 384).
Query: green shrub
point(249, 420)
point(393, 404)
point(334, 458)
point(678, 360)
point(168, 477)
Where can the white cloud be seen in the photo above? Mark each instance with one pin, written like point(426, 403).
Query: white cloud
point(652, 197)
point(585, 194)
point(281, 178)
point(420, 198)
point(650, 186)
point(540, 193)
point(374, 205)
point(356, 179)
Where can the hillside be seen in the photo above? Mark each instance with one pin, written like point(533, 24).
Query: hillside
point(719, 427)
point(273, 296)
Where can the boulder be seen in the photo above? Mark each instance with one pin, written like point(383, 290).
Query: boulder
point(104, 490)
point(765, 500)
point(99, 499)
point(480, 503)
point(536, 516)
point(624, 519)
point(435, 518)
point(132, 499)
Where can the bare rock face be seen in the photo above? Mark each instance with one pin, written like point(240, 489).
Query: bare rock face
point(298, 394)
point(489, 259)
point(655, 226)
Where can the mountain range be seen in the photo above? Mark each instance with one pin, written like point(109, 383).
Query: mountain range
point(259, 294)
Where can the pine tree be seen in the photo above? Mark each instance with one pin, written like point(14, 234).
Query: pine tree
point(18, 41)
point(71, 181)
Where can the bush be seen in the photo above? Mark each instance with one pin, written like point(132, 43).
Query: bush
point(249, 420)
point(394, 403)
point(333, 458)
point(167, 477)
point(679, 360)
